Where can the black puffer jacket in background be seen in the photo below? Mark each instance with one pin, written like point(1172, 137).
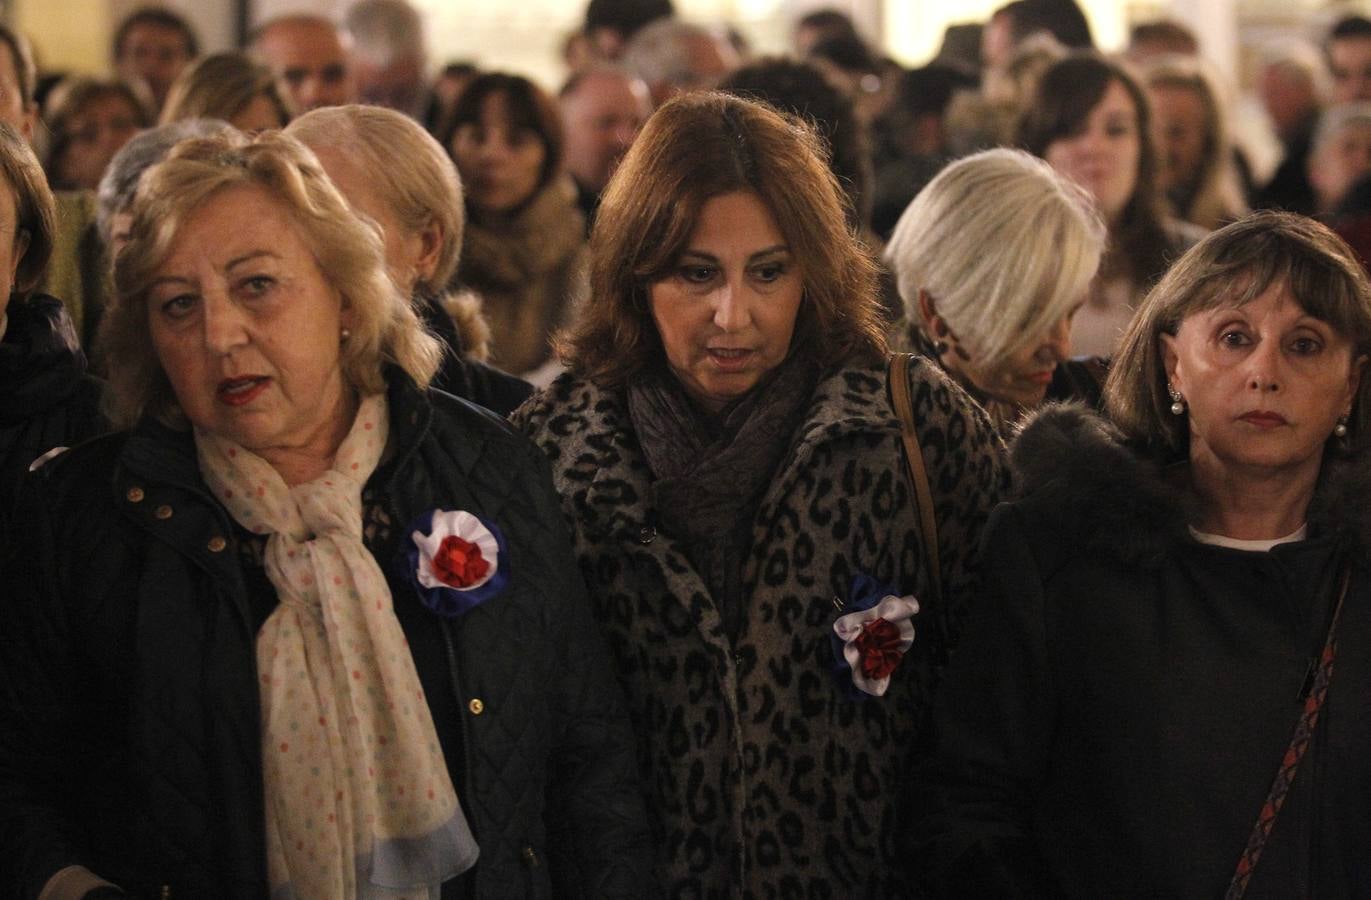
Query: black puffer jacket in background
point(46, 398)
point(129, 708)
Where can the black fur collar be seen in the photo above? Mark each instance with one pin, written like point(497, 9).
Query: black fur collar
point(1114, 499)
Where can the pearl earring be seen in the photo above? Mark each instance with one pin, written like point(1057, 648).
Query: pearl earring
point(1340, 429)
point(1177, 402)
point(344, 335)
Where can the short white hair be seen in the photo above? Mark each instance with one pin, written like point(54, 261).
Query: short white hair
point(383, 31)
point(659, 53)
point(1301, 59)
point(1003, 245)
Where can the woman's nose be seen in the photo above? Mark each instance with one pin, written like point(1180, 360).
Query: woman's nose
point(1057, 341)
point(732, 307)
point(224, 326)
point(1264, 366)
point(494, 151)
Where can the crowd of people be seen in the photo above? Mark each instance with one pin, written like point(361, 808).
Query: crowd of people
point(721, 477)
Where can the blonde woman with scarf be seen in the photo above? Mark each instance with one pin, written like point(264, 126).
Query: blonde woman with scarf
point(305, 628)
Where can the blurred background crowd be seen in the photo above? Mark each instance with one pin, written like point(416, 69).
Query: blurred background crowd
point(674, 243)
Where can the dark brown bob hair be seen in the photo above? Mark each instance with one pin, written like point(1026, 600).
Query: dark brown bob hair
point(1062, 101)
point(528, 106)
point(694, 148)
point(1232, 267)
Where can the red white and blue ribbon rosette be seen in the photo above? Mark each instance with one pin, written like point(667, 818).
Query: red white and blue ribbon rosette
point(870, 637)
point(456, 560)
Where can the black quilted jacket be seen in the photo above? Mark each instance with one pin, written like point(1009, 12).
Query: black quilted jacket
point(128, 699)
point(46, 398)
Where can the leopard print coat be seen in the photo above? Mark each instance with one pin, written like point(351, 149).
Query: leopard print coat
point(764, 778)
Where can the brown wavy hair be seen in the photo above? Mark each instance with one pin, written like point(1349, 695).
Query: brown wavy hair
point(694, 148)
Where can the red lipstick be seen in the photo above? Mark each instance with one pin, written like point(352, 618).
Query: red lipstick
point(242, 390)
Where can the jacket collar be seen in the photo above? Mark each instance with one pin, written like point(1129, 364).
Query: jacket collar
point(1125, 503)
point(158, 483)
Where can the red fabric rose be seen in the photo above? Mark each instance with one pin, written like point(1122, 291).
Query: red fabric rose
point(459, 563)
point(879, 646)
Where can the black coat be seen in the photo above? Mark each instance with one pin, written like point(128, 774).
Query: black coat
point(1124, 693)
point(46, 398)
point(461, 377)
point(129, 708)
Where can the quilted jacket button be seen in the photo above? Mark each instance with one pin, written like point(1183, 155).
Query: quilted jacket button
point(530, 857)
point(135, 495)
point(647, 534)
point(163, 512)
point(476, 706)
point(216, 544)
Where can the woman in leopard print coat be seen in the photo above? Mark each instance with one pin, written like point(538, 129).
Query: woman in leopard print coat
point(726, 450)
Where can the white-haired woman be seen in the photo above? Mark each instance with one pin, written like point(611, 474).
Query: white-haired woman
point(305, 629)
point(1340, 155)
point(992, 259)
point(1163, 690)
point(393, 171)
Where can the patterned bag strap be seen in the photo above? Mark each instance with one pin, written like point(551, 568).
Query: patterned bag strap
point(1290, 760)
point(898, 377)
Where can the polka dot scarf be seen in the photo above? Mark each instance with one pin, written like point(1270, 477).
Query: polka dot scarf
point(358, 799)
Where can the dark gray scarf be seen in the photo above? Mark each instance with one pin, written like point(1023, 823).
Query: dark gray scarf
point(712, 471)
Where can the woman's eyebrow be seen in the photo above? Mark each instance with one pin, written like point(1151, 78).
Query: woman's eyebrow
point(248, 257)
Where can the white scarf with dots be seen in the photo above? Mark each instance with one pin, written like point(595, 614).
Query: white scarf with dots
point(358, 798)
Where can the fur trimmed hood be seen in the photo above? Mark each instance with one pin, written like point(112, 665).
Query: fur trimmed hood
point(545, 234)
point(1108, 497)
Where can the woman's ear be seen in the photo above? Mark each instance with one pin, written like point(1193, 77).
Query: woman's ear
point(1170, 358)
point(928, 311)
point(345, 310)
point(430, 247)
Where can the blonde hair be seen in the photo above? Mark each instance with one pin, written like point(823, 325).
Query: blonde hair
point(413, 174)
point(1231, 267)
point(219, 87)
point(1218, 196)
point(1003, 244)
point(348, 251)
